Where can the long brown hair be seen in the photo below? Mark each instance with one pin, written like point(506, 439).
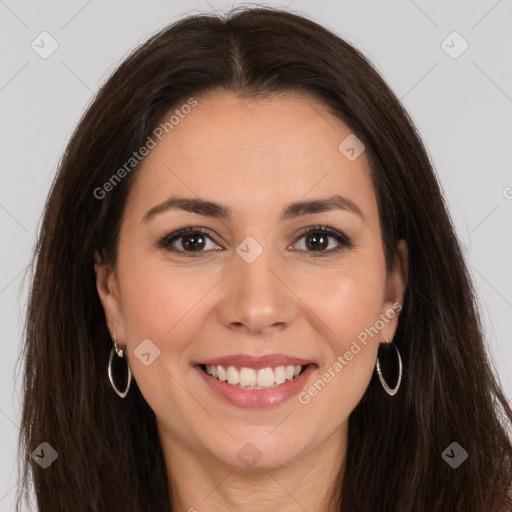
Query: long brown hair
point(109, 454)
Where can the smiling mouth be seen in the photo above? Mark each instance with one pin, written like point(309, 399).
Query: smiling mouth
point(251, 378)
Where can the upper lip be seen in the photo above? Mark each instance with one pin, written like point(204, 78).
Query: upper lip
point(245, 360)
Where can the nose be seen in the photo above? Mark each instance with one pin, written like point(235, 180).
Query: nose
point(257, 297)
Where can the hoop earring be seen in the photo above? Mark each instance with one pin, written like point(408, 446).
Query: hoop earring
point(383, 348)
point(120, 354)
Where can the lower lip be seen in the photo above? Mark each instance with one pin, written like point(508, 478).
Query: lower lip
point(258, 398)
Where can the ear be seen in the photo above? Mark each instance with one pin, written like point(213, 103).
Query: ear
point(108, 291)
point(395, 291)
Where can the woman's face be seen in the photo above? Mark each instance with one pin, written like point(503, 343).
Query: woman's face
point(253, 283)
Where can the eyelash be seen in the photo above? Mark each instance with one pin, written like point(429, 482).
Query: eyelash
point(342, 239)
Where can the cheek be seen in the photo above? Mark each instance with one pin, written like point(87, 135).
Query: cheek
point(352, 313)
point(348, 353)
point(160, 304)
point(354, 301)
point(157, 298)
point(164, 305)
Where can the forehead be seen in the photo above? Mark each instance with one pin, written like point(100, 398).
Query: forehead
point(253, 154)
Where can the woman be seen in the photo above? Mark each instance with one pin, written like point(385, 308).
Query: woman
point(248, 294)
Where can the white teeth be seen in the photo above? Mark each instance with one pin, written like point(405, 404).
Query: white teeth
point(265, 377)
point(221, 373)
point(279, 375)
point(248, 378)
point(233, 375)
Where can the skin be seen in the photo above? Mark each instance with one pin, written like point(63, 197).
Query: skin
point(256, 156)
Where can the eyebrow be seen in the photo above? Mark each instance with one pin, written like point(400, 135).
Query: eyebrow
point(221, 211)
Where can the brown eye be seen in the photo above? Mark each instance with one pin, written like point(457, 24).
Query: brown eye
point(317, 240)
point(188, 240)
point(193, 242)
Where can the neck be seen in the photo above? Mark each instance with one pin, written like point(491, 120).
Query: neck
point(199, 482)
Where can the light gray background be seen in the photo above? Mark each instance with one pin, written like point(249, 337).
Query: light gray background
point(461, 106)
